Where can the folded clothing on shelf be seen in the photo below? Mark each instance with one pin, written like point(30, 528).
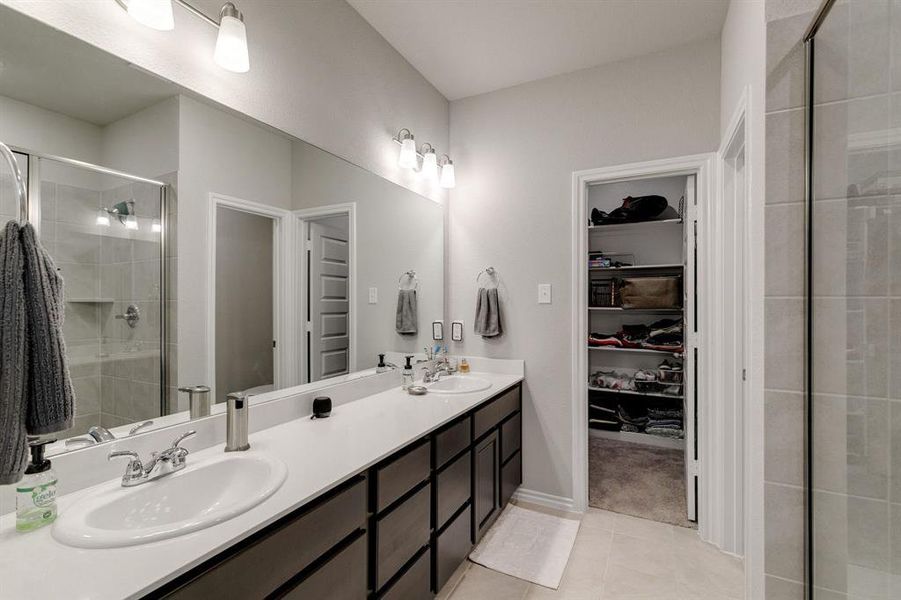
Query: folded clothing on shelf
point(666, 335)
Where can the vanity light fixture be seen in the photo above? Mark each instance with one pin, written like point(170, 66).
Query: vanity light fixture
point(102, 217)
point(131, 222)
point(407, 159)
point(231, 43)
point(448, 179)
point(429, 161)
point(124, 211)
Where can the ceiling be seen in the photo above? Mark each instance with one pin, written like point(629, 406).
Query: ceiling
point(469, 47)
point(54, 71)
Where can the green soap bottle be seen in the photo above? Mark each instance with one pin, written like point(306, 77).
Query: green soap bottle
point(36, 492)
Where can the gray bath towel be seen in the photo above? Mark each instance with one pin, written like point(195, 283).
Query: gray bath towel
point(407, 315)
point(51, 397)
point(488, 313)
point(13, 443)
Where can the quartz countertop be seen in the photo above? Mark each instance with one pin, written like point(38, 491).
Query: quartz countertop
point(320, 454)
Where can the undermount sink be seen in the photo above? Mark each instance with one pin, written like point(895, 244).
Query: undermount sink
point(203, 494)
point(459, 384)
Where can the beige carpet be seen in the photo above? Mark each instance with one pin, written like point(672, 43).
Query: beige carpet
point(633, 479)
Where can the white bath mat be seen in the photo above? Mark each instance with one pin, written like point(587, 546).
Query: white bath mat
point(529, 545)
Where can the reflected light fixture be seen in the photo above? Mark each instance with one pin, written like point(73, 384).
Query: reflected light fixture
point(156, 226)
point(429, 161)
point(102, 217)
point(156, 14)
point(448, 180)
point(231, 52)
point(231, 43)
point(407, 159)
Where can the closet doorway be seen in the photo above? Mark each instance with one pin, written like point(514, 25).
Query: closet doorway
point(638, 306)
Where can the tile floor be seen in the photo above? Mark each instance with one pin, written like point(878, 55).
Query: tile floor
point(617, 557)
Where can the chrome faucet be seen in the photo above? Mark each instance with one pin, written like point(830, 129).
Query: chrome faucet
point(163, 463)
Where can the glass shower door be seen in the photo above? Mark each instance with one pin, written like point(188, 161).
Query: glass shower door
point(854, 302)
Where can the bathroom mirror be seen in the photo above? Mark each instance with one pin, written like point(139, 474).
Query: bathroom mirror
point(200, 247)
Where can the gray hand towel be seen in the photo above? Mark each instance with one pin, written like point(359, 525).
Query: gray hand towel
point(13, 443)
point(51, 397)
point(407, 316)
point(488, 313)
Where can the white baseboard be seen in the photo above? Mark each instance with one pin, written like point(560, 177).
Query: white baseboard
point(545, 500)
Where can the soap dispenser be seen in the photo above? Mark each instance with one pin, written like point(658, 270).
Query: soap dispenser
point(36, 492)
point(407, 374)
point(381, 367)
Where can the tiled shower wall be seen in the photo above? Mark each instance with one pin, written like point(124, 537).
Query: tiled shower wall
point(784, 304)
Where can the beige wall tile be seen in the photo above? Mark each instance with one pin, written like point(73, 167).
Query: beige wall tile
point(784, 531)
point(785, 250)
point(784, 171)
point(784, 445)
point(784, 344)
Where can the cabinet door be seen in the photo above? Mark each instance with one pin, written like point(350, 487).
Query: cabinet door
point(486, 484)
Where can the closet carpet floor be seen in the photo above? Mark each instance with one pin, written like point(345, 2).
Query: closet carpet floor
point(633, 479)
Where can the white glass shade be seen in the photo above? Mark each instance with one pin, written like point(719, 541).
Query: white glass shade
point(430, 164)
point(102, 218)
point(156, 226)
point(156, 14)
point(131, 222)
point(407, 158)
point(447, 176)
point(231, 46)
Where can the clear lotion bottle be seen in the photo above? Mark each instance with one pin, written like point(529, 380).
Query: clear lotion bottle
point(36, 491)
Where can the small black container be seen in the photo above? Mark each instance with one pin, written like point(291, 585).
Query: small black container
point(322, 407)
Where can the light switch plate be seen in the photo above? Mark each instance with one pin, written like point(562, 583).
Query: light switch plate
point(544, 293)
point(457, 331)
point(373, 295)
point(437, 330)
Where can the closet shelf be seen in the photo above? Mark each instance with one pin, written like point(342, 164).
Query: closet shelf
point(637, 268)
point(615, 309)
point(627, 226)
point(638, 438)
point(634, 393)
point(636, 350)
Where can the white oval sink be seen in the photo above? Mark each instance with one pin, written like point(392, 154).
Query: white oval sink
point(459, 384)
point(201, 495)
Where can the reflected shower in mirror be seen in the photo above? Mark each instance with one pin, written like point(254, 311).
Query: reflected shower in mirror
point(198, 246)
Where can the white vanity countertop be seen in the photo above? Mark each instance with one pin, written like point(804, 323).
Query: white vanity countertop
point(320, 454)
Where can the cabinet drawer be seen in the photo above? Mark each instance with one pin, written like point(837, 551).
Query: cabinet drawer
point(511, 436)
point(495, 411)
point(400, 533)
point(452, 441)
point(452, 547)
point(511, 477)
point(415, 584)
point(341, 578)
point(485, 484)
point(269, 562)
point(401, 475)
point(452, 489)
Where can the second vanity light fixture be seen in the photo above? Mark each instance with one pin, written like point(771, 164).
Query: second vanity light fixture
point(409, 158)
point(231, 44)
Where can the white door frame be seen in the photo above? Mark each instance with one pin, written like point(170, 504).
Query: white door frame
point(703, 167)
point(284, 363)
point(302, 217)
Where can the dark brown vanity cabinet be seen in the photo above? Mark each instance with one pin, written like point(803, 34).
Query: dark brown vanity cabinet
point(396, 532)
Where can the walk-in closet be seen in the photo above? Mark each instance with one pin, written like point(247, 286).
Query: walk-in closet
point(641, 348)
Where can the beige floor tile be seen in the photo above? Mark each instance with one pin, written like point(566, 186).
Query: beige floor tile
point(596, 518)
point(452, 583)
point(640, 555)
point(626, 583)
point(479, 583)
point(643, 528)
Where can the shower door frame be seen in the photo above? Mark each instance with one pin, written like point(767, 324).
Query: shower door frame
point(33, 203)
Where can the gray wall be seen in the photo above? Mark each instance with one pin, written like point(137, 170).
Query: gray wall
point(518, 148)
point(244, 301)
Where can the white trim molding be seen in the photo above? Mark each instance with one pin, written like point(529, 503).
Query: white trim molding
point(545, 500)
point(301, 218)
point(703, 167)
point(284, 314)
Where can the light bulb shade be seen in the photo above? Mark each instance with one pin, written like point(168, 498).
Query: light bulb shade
point(448, 180)
point(102, 218)
point(156, 14)
point(407, 158)
point(156, 226)
point(430, 164)
point(231, 45)
point(131, 222)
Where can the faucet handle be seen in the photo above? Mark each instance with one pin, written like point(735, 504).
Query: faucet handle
point(183, 437)
point(124, 453)
point(135, 468)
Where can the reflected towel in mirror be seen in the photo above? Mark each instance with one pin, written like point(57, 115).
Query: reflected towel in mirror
point(13, 443)
point(488, 313)
point(407, 317)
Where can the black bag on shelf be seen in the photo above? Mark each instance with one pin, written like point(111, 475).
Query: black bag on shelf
point(633, 210)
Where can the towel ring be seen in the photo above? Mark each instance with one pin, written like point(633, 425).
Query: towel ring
point(409, 275)
point(491, 272)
